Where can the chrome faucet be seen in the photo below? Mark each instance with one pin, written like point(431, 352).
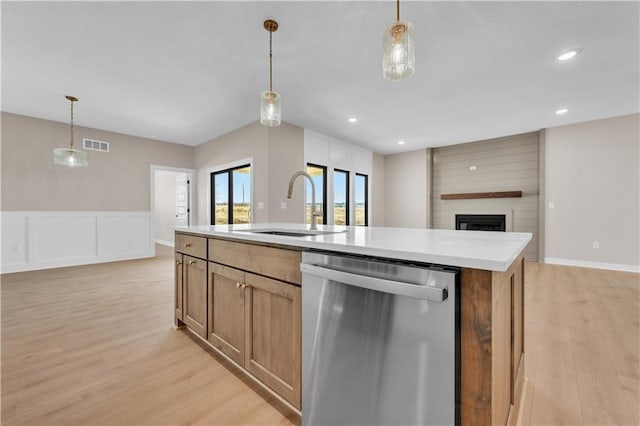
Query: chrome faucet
point(314, 214)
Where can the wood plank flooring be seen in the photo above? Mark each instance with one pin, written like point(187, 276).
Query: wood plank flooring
point(94, 345)
point(582, 340)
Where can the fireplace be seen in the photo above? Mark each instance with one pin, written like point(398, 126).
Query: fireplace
point(481, 222)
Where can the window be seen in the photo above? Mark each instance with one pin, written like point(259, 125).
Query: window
point(362, 199)
point(319, 176)
point(231, 187)
point(340, 197)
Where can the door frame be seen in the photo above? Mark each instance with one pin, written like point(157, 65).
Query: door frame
point(152, 195)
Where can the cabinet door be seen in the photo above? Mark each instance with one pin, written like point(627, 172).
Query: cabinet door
point(178, 287)
point(195, 295)
point(226, 310)
point(517, 330)
point(273, 330)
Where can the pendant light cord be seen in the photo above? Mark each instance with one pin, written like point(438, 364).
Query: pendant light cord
point(71, 124)
point(398, 10)
point(270, 62)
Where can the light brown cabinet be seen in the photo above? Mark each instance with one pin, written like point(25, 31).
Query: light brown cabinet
point(178, 278)
point(195, 294)
point(191, 283)
point(226, 311)
point(273, 335)
point(256, 321)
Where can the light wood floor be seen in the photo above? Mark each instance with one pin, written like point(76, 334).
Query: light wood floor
point(94, 345)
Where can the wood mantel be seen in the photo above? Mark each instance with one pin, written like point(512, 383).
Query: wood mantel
point(474, 195)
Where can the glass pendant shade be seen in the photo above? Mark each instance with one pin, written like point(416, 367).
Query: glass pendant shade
point(70, 157)
point(399, 58)
point(270, 109)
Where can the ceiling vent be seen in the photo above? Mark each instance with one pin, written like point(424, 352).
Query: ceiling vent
point(95, 145)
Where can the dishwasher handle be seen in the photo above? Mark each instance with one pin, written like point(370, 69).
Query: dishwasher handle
point(379, 284)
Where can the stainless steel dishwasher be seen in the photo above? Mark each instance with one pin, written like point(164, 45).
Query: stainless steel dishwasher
point(380, 342)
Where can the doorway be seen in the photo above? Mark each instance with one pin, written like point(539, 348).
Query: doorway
point(171, 202)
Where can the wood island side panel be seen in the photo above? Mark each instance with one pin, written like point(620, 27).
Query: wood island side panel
point(475, 351)
point(492, 345)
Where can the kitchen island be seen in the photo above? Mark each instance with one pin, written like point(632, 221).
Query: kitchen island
point(238, 288)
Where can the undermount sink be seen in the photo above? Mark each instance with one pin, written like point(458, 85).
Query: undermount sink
point(290, 232)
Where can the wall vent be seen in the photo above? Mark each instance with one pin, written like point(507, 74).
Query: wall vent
point(95, 145)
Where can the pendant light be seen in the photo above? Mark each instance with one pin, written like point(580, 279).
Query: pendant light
point(399, 59)
point(270, 101)
point(70, 157)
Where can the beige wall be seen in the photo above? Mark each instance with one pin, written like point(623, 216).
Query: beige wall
point(164, 214)
point(592, 178)
point(505, 164)
point(405, 189)
point(276, 152)
point(115, 181)
point(377, 184)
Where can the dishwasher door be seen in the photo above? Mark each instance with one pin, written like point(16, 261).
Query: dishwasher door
point(380, 342)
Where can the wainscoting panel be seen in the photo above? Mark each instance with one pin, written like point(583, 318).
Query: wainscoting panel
point(41, 240)
point(14, 241)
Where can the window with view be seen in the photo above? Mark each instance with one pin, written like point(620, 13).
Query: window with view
point(340, 197)
point(361, 194)
point(319, 176)
point(231, 187)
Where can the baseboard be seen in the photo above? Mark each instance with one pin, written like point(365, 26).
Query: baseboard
point(596, 265)
point(9, 269)
point(165, 243)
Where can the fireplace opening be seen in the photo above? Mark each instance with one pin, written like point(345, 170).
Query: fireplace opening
point(481, 222)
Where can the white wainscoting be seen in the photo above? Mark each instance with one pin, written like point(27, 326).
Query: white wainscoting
point(41, 240)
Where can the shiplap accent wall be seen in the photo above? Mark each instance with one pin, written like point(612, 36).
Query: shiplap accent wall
point(41, 240)
point(504, 164)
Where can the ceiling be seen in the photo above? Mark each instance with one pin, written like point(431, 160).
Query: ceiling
point(189, 72)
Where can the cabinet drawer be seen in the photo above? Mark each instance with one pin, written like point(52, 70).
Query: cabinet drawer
point(269, 261)
point(191, 245)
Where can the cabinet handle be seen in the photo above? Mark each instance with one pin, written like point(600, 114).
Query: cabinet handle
point(241, 285)
point(178, 263)
point(192, 262)
point(187, 245)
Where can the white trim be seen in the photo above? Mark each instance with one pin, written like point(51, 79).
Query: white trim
point(596, 265)
point(113, 236)
point(230, 165)
point(165, 243)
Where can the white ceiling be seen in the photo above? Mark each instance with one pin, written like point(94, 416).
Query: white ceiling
point(189, 72)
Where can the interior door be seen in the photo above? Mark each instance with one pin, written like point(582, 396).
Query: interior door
point(182, 199)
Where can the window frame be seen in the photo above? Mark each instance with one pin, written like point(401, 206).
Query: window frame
point(366, 197)
point(347, 196)
point(324, 192)
point(229, 171)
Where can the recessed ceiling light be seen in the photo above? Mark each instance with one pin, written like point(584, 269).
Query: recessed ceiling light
point(353, 119)
point(562, 111)
point(569, 54)
point(400, 142)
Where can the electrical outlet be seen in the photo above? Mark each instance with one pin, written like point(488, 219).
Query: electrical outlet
point(551, 206)
point(596, 245)
point(283, 204)
point(260, 205)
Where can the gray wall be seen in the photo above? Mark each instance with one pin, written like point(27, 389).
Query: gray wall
point(592, 179)
point(115, 181)
point(277, 152)
point(405, 189)
point(504, 164)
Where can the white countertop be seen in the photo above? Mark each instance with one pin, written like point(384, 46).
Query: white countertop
point(494, 251)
